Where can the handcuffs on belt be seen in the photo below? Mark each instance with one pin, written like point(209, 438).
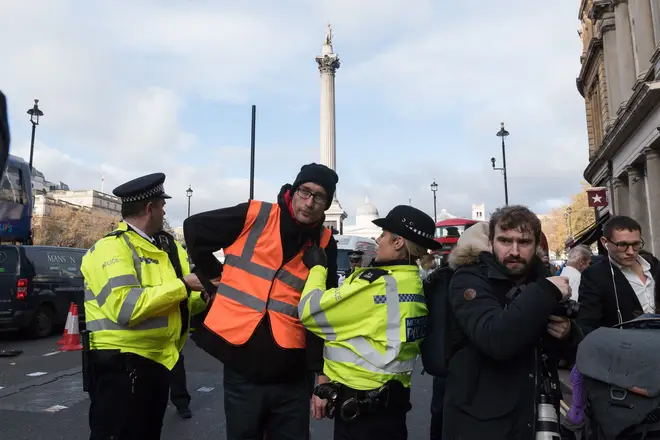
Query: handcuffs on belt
point(351, 408)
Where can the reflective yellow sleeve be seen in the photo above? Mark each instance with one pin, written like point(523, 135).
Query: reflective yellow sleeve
point(117, 290)
point(195, 303)
point(340, 313)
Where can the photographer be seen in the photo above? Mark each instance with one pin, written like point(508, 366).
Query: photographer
point(511, 327)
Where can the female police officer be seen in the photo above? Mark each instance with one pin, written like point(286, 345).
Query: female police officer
point(372, 326)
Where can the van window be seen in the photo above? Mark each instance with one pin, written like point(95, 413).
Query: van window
point(342, 260)
point(8, 260)
point(56, 261)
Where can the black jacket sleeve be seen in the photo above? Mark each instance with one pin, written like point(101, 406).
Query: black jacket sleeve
point(315, 343)
point(590, 314)
point(208, 232)
point(500, 334)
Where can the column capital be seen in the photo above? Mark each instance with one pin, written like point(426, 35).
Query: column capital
point(618, 183)
point(634, 174)
point(607, 25)
point(652, 153)
point(328, 63)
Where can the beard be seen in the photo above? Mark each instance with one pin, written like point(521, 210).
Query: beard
point(515, 267)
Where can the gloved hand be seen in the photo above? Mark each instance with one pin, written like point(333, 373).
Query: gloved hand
point(315, 256)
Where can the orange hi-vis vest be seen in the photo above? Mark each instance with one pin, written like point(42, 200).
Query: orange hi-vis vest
point(254, 282)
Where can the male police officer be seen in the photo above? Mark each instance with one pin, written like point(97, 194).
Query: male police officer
point(138, 298)
point(355, 261)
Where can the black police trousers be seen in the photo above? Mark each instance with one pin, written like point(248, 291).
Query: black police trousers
point(278, 411)
point(383, 424)
point(387, 425)
point(178, 391)
point(128, 396)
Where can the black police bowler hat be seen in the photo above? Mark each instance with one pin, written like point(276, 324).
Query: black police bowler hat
point(355, 255)
point(142, 188)
point(411, 224)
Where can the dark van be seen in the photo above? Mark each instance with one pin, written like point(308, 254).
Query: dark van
point(38, 285)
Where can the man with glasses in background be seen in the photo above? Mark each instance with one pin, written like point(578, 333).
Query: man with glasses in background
point(252, 326)
point(621, 287)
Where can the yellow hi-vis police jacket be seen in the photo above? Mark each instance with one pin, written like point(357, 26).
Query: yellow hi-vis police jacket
point(372, 324)
point(132, 297)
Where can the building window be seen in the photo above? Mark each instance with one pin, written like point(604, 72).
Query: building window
point(596, 102)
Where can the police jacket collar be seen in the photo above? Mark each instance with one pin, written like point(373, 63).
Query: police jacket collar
point(391, 263)
point(144, 242)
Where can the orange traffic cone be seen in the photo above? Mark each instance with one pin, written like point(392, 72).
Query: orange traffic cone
point(69, 317)
point(72, 336)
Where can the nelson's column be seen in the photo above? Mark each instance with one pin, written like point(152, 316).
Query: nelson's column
point(328, 63)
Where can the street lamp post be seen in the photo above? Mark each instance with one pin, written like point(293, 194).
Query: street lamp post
point(189, 193)
point(502, 133)
point(34, 113)
point(434, 188)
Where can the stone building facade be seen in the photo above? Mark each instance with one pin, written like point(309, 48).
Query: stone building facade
point(94, 201)
point(620, 82)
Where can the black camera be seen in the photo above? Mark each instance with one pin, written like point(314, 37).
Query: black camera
point(568, 309)
point(329, 392)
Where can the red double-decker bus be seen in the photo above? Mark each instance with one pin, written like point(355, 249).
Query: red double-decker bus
point(447, 233)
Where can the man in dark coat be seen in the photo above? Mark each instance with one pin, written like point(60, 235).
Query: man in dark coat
point(506, 337)
point(621, 287)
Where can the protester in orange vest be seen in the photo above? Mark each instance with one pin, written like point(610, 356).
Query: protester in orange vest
point(252, 324)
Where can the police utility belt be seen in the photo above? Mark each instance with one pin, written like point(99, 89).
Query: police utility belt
point(349, 403)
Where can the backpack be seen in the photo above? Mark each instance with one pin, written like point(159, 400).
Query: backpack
point(621, 380)
point(435, 347)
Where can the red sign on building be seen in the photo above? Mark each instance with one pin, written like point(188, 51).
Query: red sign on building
point(597, 197)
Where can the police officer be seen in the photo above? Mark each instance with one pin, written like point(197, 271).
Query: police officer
point(355, 260)
point(372, 326)
point(138, 299)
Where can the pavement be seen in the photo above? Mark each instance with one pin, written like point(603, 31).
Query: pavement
point(41, 397)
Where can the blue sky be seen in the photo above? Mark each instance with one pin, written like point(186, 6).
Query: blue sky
point(129, 88)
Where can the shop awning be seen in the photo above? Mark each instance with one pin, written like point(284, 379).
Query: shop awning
point(592, 233)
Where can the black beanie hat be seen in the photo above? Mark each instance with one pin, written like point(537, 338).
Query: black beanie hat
point(319, 174)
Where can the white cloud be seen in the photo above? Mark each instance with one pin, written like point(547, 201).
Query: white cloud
point(119, 83)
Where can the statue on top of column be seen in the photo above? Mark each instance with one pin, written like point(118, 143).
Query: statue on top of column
point(328, 35)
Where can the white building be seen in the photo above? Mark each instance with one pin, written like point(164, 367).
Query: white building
point(364, 216)
point(93, 200)
point(479, 212)
point(445, 215)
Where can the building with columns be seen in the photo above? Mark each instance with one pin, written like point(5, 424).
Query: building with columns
point(620, 82)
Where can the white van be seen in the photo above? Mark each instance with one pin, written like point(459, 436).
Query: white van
point(348, 243)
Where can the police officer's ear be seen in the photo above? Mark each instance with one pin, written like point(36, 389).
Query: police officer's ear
point(399, 242)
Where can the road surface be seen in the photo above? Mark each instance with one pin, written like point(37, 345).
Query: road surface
point(41, 397)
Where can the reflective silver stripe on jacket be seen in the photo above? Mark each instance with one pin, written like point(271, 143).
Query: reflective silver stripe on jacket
point(369, 357)
point(147, 324)
point(244, 262)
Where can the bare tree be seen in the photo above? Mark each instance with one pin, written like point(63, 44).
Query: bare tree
point(69, 226)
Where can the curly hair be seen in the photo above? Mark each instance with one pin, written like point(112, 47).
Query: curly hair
point(516, 217)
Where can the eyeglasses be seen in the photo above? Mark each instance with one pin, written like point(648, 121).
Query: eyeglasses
point(306, 194)
point(622, 246)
